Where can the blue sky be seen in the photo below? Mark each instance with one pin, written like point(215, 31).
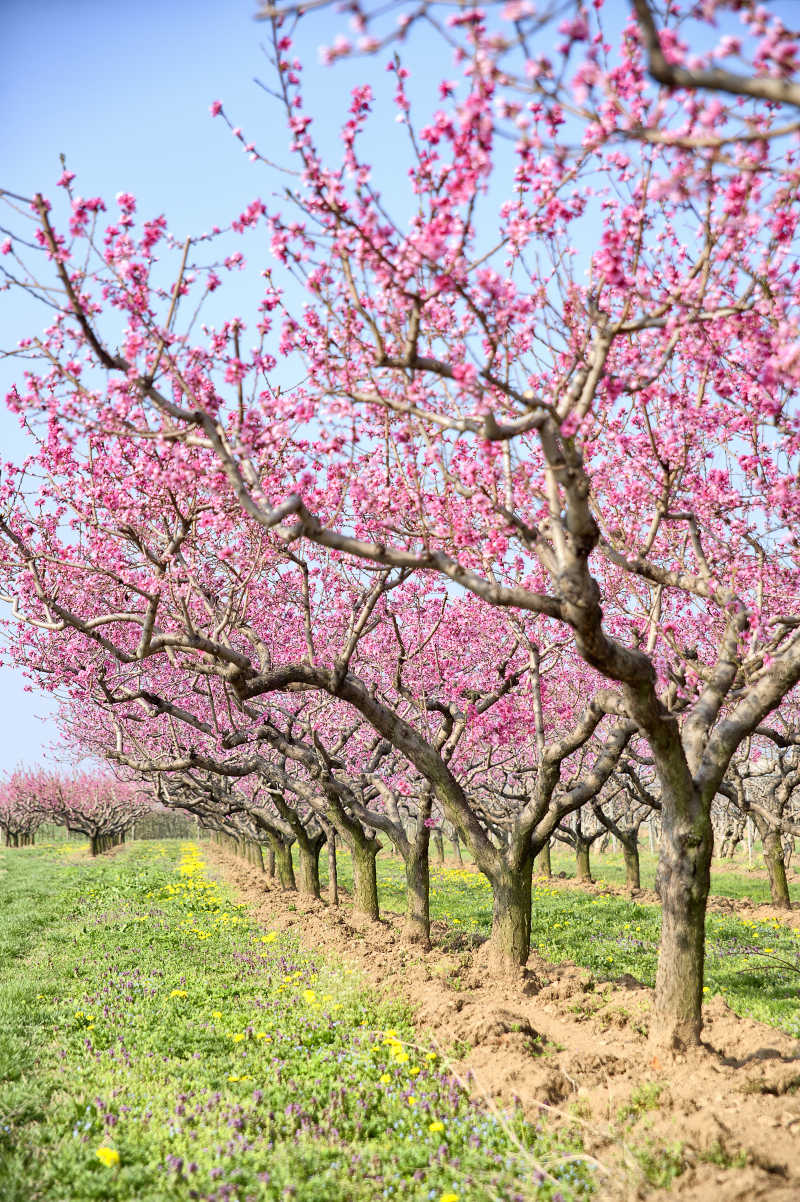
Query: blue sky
point(123, 90)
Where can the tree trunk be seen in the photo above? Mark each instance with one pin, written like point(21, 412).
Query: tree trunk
point(418, 916)
point(438, 843)
point(630, 853)
point(683, 879)
point(583, 871)
point(776, 868)
point(543, 866)
point(283, 860)
point(309, 850)
point(333, 870)
point(511, 918)
point(271, 863)
point(456, 844)
point(365, 879)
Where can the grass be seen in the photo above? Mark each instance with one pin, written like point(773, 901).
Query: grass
point(754, 965)
point(156, 1045)
point(729, 878)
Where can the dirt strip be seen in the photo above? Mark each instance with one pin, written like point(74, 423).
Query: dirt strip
point(728, 1114)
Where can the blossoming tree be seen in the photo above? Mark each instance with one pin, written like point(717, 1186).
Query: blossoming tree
point(561, 376)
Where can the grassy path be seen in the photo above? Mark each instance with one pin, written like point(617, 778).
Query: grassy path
point(155, 1045)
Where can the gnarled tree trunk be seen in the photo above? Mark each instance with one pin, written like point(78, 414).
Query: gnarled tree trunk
point(583, 870)
point(630, 854)
point(309, 848)
point(683, 880)
point(776, 867)
point(511, 916)
point(283, 862)
point(365, 878)
point(417, 927)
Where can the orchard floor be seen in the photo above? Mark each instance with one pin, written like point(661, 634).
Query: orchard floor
point(720, 1125)
point(158, 1045)
point(738, 878)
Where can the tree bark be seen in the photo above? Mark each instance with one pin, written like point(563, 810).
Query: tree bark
point(776, 868)
point(683, 879)
point(418, 916)
point(630, 853)
point(543, 866)
point(511, 918)
point(583, 870)
point(283, 861)
point(365, 879)
point(333, 870)
point(309, 849)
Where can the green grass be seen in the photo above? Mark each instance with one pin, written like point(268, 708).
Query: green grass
point(729, 878)
point(754, 965)
point(155, 1045)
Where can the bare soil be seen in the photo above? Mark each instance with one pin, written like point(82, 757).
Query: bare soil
point(557, 1042)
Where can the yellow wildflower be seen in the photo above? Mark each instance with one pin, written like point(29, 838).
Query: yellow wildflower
point(385, 1078)
point(179, 993)
point(108, 1156)
point(434, 1127)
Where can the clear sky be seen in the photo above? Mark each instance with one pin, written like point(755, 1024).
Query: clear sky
point(123, 89)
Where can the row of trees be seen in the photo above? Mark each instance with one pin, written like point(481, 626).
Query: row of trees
point(95, 804)
point(523, 537)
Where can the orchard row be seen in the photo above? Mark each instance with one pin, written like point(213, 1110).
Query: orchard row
point(484, 519)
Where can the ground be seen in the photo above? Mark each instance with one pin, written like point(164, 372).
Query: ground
point(172, 1026)
point(721, 1125)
